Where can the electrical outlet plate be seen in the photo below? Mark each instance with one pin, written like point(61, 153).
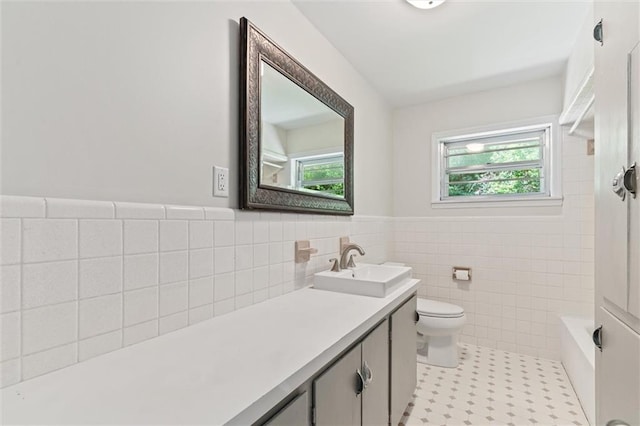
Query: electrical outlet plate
point(220, 181)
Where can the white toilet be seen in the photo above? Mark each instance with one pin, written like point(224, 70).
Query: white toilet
point(438, 329)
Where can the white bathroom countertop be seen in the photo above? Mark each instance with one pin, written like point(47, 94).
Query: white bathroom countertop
point(230, 369)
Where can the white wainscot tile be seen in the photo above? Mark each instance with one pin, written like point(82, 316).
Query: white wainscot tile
point(224, 287)
point(184, 212)
point(214, 213)
point(140, 271)
point(139, 211)
point(174, 322)
point(49, 283)
point(48, 327)
point(244, 257)
point(100, 238)
point(94, 346)
point(200, 292)
point(9, 288)
point(224, 234)
point(174, 235)
point(48, 361)
point(243, 301)
point(244, 232)
point(140, 332)
point(100, 315)
point(224, 306)
point(200, 313)
point(9, 241)
point(140, 306)
point(174, 298)
point(10, 372)
point(174, 266)
point(260, 254)
point(275, 253)
point(86, 209)
point(224, 257)
point(17, 206)
point(260, 232)
point(288, 231)
point(10, 338)
point(49, 239)
point(140, 236)
point(260, 296)
point(201, 234)
point(275, 274)
point(200, 263)
point(101, 276)
point(275, 231)
point(261, 278)
point(244, 282)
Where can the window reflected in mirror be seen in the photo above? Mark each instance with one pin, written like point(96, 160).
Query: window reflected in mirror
point(302, 139)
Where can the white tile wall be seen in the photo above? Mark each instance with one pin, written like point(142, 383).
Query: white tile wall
point(83, 278)
point(526, 271)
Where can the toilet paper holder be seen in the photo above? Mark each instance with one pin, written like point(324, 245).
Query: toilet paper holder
point(461, 273)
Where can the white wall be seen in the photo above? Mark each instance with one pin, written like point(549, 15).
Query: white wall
point(136, 101)
point(414, 126)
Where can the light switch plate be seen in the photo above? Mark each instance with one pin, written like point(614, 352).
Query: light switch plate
point(220, 181)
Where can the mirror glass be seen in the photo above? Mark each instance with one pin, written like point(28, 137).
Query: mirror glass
point(296, 133)
point(302, 139)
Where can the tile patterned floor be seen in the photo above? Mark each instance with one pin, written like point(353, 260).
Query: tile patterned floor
point(494, 387)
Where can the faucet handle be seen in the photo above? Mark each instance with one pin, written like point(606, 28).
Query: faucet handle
point(336, 265)
point(351, 263)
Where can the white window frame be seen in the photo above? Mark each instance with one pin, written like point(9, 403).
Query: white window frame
point(552, 195)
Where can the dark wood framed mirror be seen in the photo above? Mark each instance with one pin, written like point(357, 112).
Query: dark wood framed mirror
point(296, 134)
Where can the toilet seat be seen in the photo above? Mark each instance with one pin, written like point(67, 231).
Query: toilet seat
point(436, 309)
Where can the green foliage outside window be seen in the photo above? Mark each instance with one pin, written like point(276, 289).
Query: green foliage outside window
point(468, 182)
point(324, 177)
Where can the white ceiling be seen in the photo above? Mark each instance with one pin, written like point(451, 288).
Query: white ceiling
point(412, 56)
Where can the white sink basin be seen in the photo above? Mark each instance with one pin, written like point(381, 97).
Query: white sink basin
point(365, 280)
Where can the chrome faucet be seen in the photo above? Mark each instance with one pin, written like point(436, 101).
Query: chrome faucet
point(344, 263)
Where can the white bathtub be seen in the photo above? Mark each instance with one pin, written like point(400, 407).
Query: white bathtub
point(578, 358)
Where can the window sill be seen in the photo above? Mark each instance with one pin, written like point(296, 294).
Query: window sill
point(511, 202)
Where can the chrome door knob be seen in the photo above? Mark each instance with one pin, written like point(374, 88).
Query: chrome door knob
point(630, 180)
point(618, 185)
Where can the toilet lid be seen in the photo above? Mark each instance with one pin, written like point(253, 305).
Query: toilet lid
point(433, 308)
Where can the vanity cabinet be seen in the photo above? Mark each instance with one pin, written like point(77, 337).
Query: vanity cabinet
point(370, 384)
point(403, 358)
point(293, 414)
point(355, 390)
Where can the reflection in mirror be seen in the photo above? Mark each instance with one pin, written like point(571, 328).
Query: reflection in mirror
point(302, 139)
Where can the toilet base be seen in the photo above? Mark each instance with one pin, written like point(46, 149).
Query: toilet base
point(441, 351)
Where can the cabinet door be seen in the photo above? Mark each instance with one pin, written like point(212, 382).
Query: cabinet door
point(620, 34)
point(296, 413)
point(375, 359)
point(403, 358)
point(336, 398)
point(618, 372)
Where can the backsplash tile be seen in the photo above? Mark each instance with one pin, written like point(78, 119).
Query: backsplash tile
point(49, 239)
point(49, 283)
point(83, 278)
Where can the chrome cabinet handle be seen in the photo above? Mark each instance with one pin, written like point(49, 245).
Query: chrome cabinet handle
point(597, 337)
point(618, 184)
point(630, 181)
point(617, 422)
point(368, 374)
point(360, 385)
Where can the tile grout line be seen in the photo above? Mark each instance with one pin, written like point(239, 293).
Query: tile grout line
point(21, 313)
point(77, 290)
point(122, 300)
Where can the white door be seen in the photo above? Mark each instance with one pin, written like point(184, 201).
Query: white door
point(617, 219)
